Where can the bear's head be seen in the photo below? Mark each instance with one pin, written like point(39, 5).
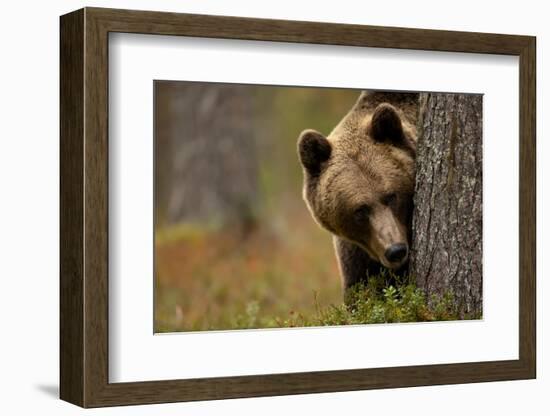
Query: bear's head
point(359, 181)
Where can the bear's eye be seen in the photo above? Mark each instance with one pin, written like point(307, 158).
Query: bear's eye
point(362, 212)
point(389, 199)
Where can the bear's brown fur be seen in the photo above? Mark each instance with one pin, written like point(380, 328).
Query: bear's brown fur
point(359, 182)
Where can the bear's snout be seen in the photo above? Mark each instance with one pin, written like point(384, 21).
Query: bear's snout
point(396, 253)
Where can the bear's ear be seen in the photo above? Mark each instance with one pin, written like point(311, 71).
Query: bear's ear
point(385, 125)
point(314, 149)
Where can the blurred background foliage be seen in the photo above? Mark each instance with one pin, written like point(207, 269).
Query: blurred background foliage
point(235, 246)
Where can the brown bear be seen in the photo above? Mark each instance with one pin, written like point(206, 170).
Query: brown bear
point(359, 183)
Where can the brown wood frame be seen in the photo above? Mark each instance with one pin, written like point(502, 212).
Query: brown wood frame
point(84, 207)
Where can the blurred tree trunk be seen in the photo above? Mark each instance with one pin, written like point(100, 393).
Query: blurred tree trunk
point(447, 223)
point(205, 165)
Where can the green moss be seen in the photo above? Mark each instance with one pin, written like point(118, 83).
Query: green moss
point(385, 299)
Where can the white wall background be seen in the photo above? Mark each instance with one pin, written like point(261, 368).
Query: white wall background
point(29, 169)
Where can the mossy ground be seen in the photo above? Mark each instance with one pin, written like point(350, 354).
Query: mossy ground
point(265, 284)
point(376, 302)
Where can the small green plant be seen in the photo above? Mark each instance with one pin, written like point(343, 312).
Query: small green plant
point(385, 298)
point(250, 318)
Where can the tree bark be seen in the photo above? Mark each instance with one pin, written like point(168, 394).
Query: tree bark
point(446, 252)
point(206, 161)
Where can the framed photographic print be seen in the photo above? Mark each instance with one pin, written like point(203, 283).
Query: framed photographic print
point(255, 207)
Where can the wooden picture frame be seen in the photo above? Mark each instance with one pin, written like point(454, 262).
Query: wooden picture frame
point(84, 207)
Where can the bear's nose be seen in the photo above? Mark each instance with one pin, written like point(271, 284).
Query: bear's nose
point(396, 252)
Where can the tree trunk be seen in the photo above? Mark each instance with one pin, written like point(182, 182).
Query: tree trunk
point(206, 162)
point(446, 252)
